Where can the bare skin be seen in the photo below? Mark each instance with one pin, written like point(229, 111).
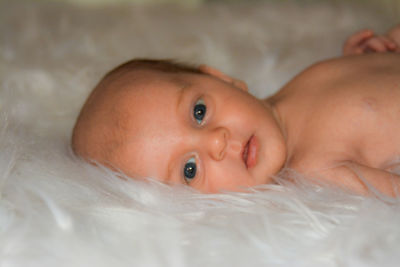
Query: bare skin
point(338, 121)
point(342, 120)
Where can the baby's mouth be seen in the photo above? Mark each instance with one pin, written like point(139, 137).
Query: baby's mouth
point(245, 152)
point(249, 154)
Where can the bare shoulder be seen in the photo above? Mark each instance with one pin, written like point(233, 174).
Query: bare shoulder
point(370, 75)
point(345, 67)
point(368, 60)
point(327, 76)
point(345, 109)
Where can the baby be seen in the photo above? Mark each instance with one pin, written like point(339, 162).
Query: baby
point(338, 121)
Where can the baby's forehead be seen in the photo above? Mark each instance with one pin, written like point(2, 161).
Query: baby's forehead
point(145, 91)
point(150, 91)
point(149, 78)
point(143, 88)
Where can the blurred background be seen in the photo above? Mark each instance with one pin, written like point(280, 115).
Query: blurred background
point(55, 211)
point(201, 1)
point(393, 5)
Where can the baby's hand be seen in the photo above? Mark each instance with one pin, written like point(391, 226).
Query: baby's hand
point(366, 41)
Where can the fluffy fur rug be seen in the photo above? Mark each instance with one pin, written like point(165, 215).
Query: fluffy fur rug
point(56, 210)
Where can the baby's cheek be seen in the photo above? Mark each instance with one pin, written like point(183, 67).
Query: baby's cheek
point(227, 176)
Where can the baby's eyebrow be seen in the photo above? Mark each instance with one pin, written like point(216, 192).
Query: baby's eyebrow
point(181, 96)
point(169, 171)
point(173, 163)
point(183, 88)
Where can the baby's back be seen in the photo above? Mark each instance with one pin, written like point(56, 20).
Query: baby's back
point(346, 109)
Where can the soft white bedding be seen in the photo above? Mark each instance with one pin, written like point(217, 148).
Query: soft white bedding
point(56, 210)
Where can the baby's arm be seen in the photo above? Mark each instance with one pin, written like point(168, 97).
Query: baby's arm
point(361, 178)
point(366, 41)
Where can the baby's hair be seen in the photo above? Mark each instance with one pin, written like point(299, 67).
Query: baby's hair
point(163, 65)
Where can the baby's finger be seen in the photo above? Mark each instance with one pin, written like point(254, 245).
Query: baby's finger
point(376, 45)
point(390, 44)
point(356, 40)
point(359, 37)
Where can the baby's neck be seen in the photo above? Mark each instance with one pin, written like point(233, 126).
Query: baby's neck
point(288, 124)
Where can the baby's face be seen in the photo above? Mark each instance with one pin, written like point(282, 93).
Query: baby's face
point(198, 130)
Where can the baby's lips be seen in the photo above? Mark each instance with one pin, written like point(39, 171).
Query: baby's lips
point(249, 154)
point(245, 152)
point(252, 152)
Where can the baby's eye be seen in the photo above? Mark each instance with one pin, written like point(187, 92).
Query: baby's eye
point(189, 171)
point(199, 111)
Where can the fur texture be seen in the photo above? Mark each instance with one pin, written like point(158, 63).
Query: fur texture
point(56, 210)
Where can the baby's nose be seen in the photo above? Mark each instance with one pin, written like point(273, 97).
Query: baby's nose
point(217, 143)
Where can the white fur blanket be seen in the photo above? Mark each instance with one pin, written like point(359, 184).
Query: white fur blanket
point(56, 210)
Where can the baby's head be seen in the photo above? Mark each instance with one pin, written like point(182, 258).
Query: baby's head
point(180, 124)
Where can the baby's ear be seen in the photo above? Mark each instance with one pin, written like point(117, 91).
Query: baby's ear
point(222, 76)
